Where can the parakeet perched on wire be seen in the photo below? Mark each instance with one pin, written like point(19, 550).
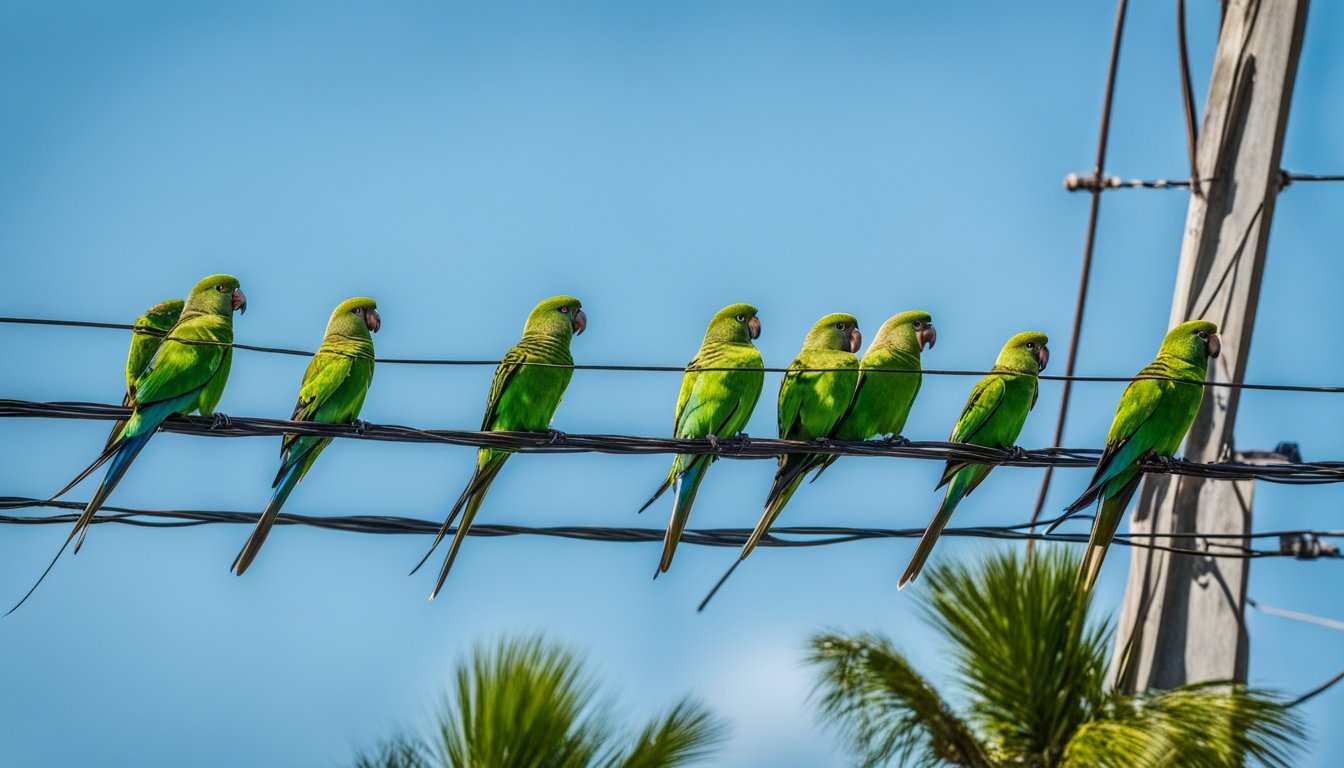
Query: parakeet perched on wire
point(332, 392)
point(146, 337)
point(188, 374)
point(813, 396)
point(712, 403)
point(993, 417)
point(527, 388)
point(1153, 417)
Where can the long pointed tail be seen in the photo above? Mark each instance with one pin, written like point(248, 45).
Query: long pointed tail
point(1103, 531)
point(248, 553)
point(955, 491)
point(470, 501)
point(122, 456)
point(792, 469)
point(479, 480)
point(684, 488)
point(468, 516)
point(127, 450)
point(667, 483)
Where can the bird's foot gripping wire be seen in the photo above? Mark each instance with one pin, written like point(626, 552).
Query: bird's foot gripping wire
point(896, 440)
point(361, 426)
point(1018, 453)
point(554, 436)
point(220, 421)
point(1164, 464)
point(714, 443)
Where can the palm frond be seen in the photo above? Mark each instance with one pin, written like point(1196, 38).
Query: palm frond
point(523, 702)
point(528, 703)
point(888, 711)
point(1034, 666)
point(686, 733)
point(399, 752)
point(1204, 724)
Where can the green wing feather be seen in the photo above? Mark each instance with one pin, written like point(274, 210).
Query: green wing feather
point(183, 366)
point(985, 401)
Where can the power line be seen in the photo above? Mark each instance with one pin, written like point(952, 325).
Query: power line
point(1328, 389)
point(1097, 183)
point(738, 447)
point(812, 536)
point(1306, 618)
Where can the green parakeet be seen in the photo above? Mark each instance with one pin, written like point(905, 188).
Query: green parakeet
point(993, 417)
point(814, 394)
point(527, 388)
point(146, 337)
point(712, 403)
point(332, 392)
point(882, 401)
point(1152, 419)
point(188, 374)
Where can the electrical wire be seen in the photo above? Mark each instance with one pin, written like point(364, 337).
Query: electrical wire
point(1328, 389)
point(1211, 545)
point(739, 447)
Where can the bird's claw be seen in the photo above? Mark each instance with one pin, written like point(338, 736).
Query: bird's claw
point(1018, 453)
point(714, 443)
point(897, 440)
point(1164, 463)
point(220, 421)
point(743, 440)
point(554, 436)
point(361, 426)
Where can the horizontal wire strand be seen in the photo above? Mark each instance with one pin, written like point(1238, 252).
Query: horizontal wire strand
point(1329, 389)
point(716, 537)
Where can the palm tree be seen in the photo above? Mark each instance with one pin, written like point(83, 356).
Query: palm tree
point(528, 703)
point(1033, 672)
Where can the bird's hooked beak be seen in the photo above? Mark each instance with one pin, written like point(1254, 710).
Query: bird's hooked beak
point(1042, 358)
point(855, 340)
point(927, 336)
point(1214, 345)
point(754, 328)
point(239, 301)
point(372, 319)
point(580, 322)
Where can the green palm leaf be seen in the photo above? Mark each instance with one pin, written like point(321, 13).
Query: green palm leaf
point(1033, 670)
point(528, 703)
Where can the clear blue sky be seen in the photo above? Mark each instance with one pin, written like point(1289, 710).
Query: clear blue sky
point(460, 163)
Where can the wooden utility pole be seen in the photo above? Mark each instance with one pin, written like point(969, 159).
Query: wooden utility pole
point(1182, 619)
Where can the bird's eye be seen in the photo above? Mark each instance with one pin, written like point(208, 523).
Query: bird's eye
point(839, 326)
point(358, 310)
point(564, 310)
point(741, 318)
point(917, 325)
point(1031, 345)
point(1202, 335)
point(222, 288)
